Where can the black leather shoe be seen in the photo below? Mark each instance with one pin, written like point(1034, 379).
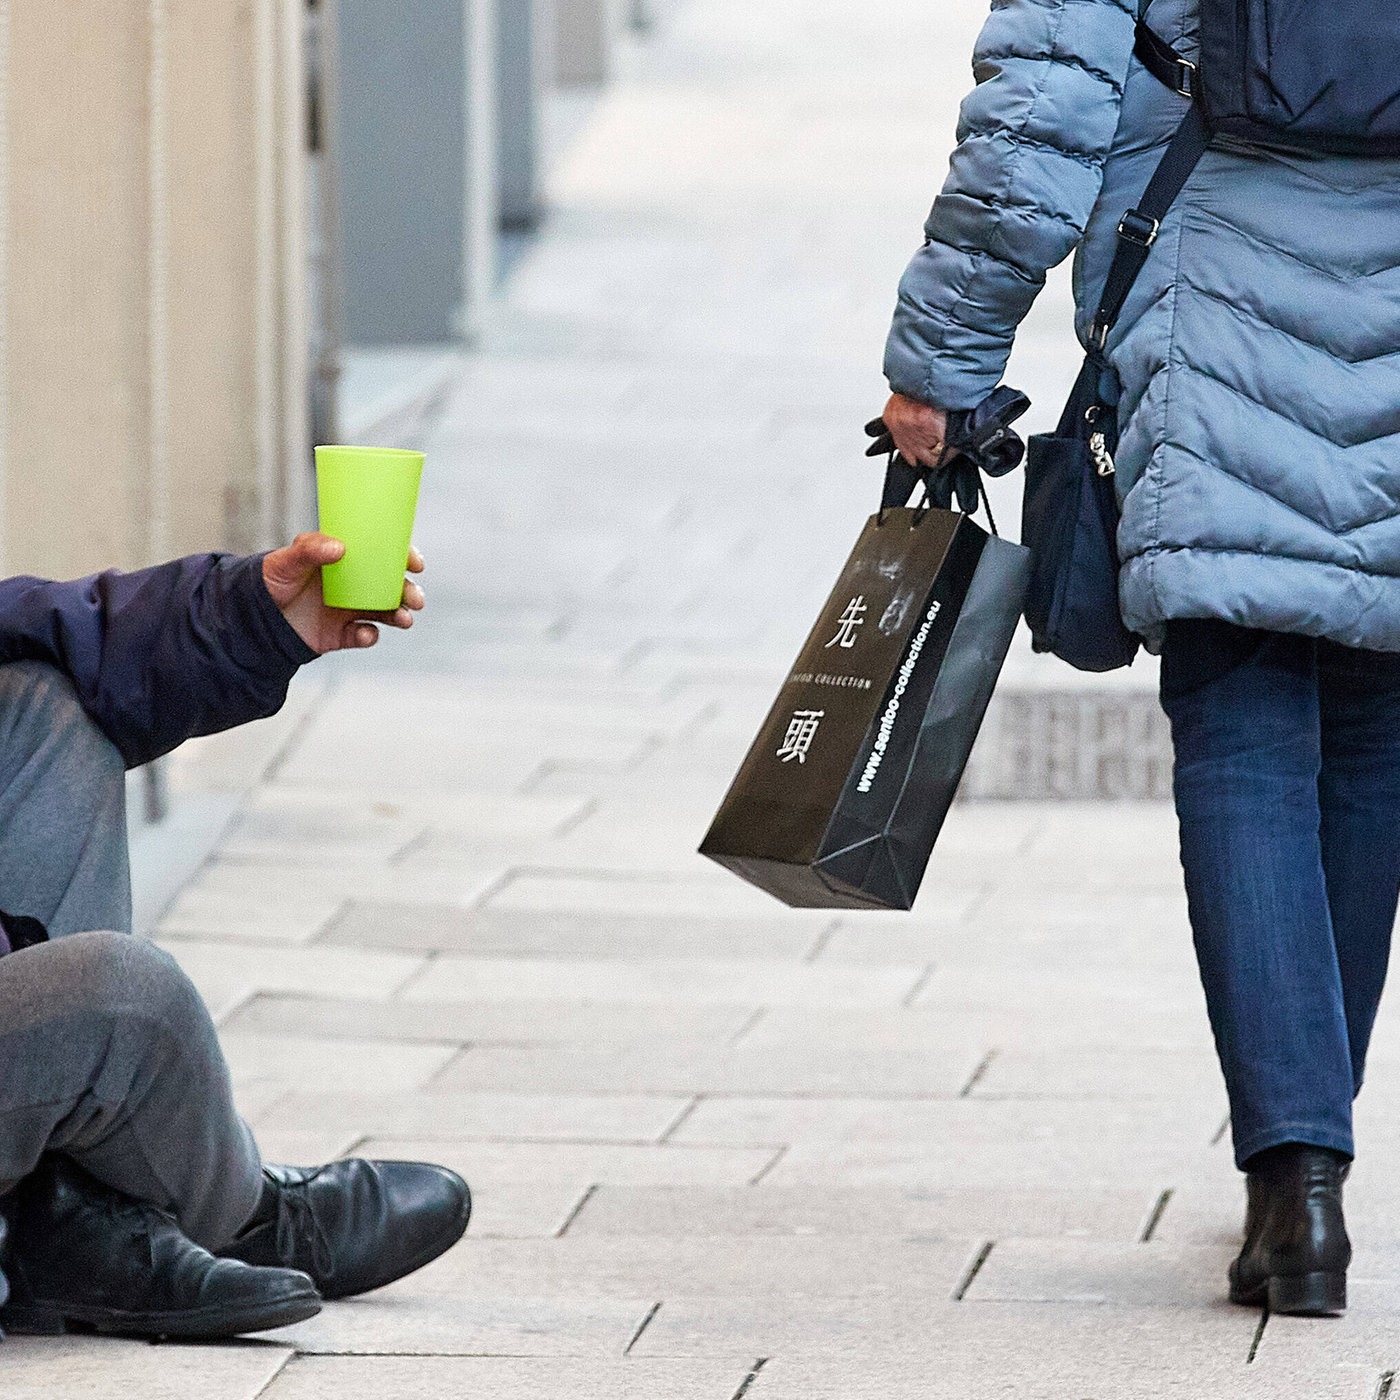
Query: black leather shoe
point(355, 1225)
point(82, 1257)
point(1296, 1249)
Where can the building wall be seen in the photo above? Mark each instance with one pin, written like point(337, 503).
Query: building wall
point(417, 161)
point(152, 249)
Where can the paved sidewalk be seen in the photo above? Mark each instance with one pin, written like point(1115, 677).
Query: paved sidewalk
point(720, 1150)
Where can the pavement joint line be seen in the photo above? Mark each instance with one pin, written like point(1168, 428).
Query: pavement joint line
point(430, 958)
point(977, 1075)
point(1220, 1132)
point(979, 902)
point(674, 1126)
point(693, 727)
point(975, 1268)
point(414, 842)
point(925, 977)
point(287, 1359)
point(456, 1059)
point(1155, 1218)
point(635, 655)
point(573, 1215)
point(239, 1004)
point(571, 823)
point(531, 781)
point(748, 1380)
point(747, 1028)
point(768, 1166)
point(823, 939)
point(1258, 1336)
point(646, 1322)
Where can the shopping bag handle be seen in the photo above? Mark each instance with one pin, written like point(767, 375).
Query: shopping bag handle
point(981, 439)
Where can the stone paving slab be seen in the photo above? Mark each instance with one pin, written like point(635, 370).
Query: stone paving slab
point(700, 981)
point(518, 1022)
point(1104, 1071)
point(1084, 1376)
point(1101, 1272)
point(319, 1066)
point(938, 1334)
point(218, 966)
point(1044, 1136)
point(537, 1117)
point(1117, 1020)
point(515, 1210)
point(422, 1324)
point(706, 893)
point(835, 1212)
point(666, 1065)
point(1368, 1334)
point(285, 817)
point(657, 1164)
point(627, 1266)
point(494, 932)
point(78, 1368)
point(519, 1378)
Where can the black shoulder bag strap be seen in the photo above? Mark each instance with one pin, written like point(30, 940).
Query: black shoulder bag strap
point(1138, 229)
point(1161, 60)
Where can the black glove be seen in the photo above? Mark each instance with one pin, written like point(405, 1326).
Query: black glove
point(978, 439)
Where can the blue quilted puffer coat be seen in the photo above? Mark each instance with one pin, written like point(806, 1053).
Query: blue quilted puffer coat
point(1259, 353)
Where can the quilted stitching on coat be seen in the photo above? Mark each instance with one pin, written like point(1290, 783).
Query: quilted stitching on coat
point(1260, 459)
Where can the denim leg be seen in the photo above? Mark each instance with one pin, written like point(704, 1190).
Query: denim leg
point(1248, 756)
point(64, 859)
point(1360, 799)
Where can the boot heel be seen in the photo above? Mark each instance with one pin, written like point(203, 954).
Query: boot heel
point(1309, 1295)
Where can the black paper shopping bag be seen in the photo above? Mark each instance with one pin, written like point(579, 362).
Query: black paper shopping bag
point(844, 791)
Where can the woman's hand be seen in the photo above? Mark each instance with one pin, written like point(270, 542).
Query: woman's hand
point(919, 431)
point(293, 578)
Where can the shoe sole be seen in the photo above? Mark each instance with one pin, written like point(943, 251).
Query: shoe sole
point(206, 1324)
point(438, 1248)
point(1306, 1295)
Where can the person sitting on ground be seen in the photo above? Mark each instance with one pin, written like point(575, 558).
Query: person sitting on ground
point(132, 1196)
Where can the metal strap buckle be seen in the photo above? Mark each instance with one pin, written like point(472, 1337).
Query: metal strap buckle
point(1139, 228)
point(1186, 84)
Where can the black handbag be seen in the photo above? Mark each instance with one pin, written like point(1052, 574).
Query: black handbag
point(1069, 518)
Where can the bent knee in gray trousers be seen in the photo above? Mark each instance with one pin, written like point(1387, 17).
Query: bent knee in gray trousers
point(108, 1055)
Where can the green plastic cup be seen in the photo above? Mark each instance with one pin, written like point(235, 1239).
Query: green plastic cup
point(367, 497)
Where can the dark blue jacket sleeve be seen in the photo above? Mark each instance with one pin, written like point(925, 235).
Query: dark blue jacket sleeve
point(159, 655)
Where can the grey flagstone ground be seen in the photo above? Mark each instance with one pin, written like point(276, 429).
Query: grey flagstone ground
point(719, 1149)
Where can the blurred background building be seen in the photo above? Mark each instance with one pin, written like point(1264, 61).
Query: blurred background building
point(235, 227)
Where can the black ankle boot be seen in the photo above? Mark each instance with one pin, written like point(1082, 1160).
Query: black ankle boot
point(355, 1225)
point(82, 1257)
point(1296, 1249)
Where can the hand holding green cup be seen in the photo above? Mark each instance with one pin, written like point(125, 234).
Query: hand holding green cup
point(367, 497)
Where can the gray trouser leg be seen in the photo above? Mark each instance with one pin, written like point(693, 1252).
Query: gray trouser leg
point(108, 1055)
point(63, 859)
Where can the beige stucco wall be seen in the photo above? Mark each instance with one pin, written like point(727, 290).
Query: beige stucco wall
point(152, 325)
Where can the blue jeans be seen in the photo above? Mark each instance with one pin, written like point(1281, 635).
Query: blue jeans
point(1288, 793)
